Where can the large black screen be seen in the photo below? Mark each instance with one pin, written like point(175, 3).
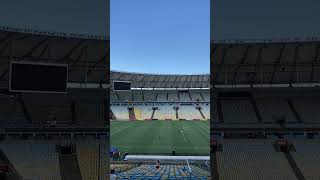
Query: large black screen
point(121, 86)
point(38, 77)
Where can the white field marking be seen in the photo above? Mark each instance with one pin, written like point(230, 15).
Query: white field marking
point(204, 127)
point(201, 129)
point(187, 129)
point(182, 132)
point(184, 138)
point(142, 146)
point(165, 147)
point(115, 132)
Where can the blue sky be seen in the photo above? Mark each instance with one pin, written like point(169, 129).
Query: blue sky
point(160, 36)
point(166, 36)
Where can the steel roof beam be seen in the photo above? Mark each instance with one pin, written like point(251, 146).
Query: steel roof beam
point(243, 58)
point(314, 62)
point(75, 47)
point(277, 61)
point(29, 53)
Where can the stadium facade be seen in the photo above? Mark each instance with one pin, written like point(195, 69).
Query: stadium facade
point(156, 96)
point(160, 118)
point(55, 135)
point(264, 104)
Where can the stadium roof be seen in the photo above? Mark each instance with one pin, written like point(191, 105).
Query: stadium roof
point(312, 38)
point(256, 62)
point(51, 33)
point(86, 55)
point(143, 80)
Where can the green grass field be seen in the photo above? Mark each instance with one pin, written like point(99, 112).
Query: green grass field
point(161, 137)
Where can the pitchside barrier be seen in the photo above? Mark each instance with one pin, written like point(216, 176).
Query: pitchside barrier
point(174, 158)
point(155, 158)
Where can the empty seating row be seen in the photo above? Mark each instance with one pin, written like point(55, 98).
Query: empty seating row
point(252, 160)
point(36, 161)
point(164, 172)
point(162, 112)
point(159, 96)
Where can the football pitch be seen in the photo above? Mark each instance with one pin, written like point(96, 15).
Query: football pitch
point(161, 137)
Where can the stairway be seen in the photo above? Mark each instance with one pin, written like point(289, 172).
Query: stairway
point(202, 97)
point(177, 114)
point(295, 112)
point(12, 174)
point(214, 163)
point(294, 166)
point(219, 109)
point(69, 167)
point(118, 97)
point(153, 111)
point(24, 111)
point(190, 96)
point(156, 99)
point(202, 115)
point(132, 116)
point(255, 108)
point(112, 115)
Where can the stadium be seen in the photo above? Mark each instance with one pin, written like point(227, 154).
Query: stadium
point(160, 117)
point(160, 90)
point(54, 132)
point(265, 109)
